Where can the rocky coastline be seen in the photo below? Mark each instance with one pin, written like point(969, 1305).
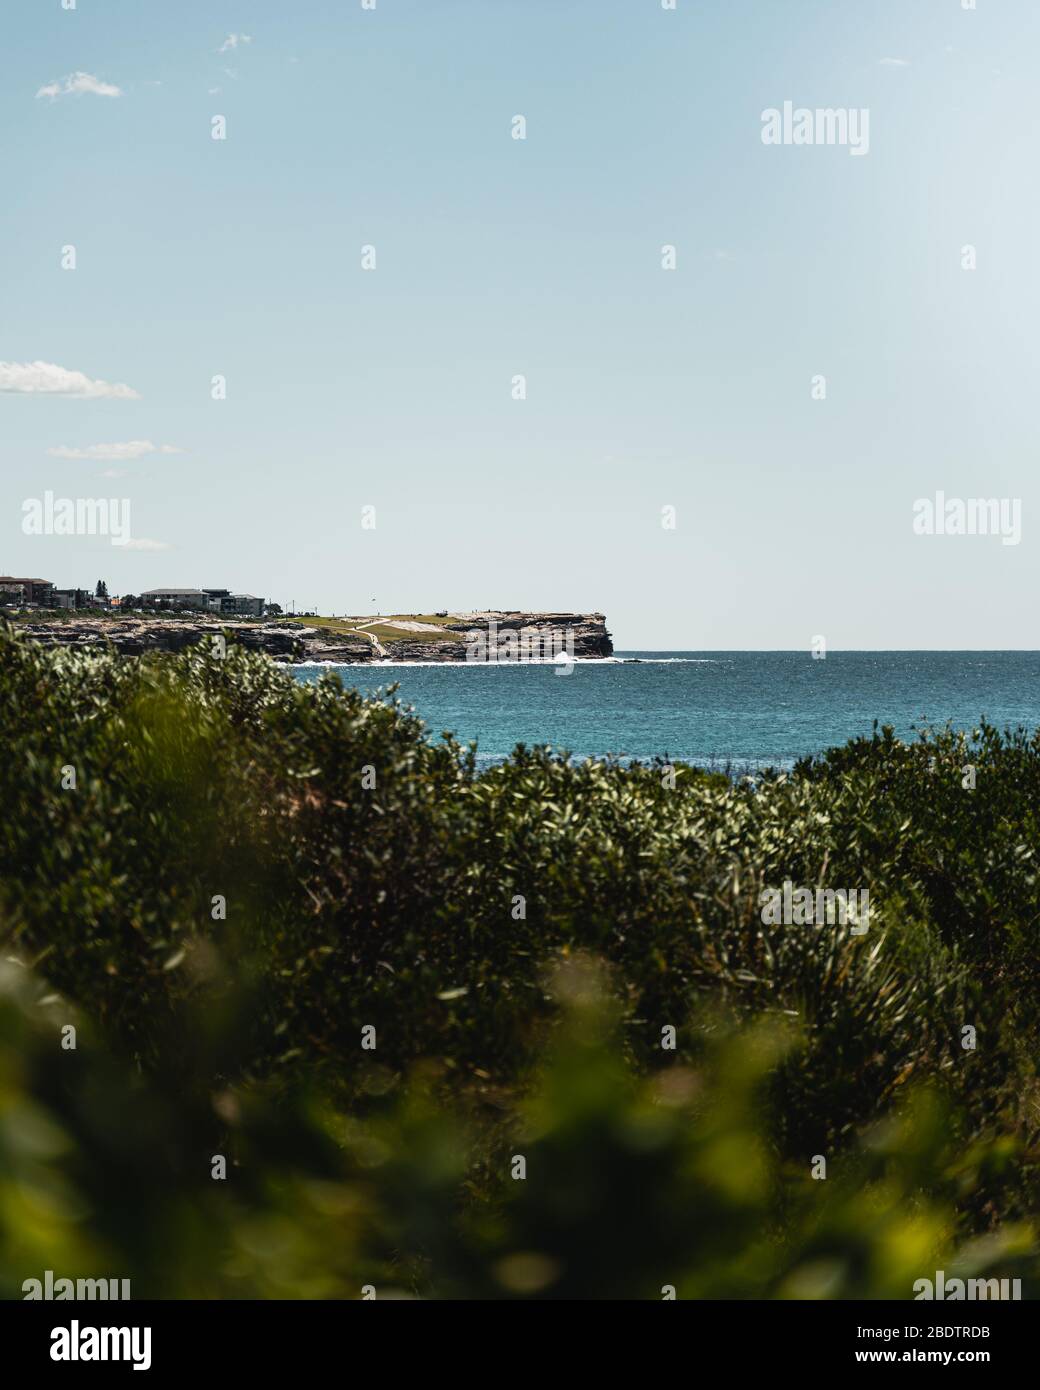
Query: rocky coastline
point(492, 636)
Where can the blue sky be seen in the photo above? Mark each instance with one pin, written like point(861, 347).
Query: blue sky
point(645, 388)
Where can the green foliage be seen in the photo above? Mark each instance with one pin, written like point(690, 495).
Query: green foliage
point(438, 907)
point(632, 1186)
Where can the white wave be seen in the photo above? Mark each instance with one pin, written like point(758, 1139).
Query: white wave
point(474, 665)
point(533, 661)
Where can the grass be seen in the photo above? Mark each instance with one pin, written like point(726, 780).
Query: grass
point(331, 624)
point(379, 627)
point(387, 634)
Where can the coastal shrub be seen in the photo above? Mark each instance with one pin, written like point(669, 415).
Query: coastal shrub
point(252, 881)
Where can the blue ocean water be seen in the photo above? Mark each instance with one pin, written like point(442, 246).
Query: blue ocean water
point(752, 709)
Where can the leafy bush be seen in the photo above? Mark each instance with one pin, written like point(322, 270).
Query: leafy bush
point(248, 872)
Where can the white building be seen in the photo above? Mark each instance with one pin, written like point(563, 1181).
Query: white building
point(179, 598)
point(207, 601)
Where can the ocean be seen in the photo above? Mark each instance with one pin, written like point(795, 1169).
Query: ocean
point(744, 709)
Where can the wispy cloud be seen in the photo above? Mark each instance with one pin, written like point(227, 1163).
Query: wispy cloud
point(232, 42)
point(143, 543)
point(895, 62)
point(115, 453)
point(78, 83)
point(48, 379)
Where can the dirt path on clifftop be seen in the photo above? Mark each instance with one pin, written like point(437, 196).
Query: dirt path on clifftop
point(380, 649)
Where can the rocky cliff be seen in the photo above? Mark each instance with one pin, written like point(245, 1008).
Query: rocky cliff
point(488, 636)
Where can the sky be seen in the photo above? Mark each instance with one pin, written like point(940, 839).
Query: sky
point(695, 388)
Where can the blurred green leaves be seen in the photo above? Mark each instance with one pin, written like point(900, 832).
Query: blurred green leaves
point(631, 1185)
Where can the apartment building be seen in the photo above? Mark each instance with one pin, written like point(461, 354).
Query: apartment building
point(34, 593)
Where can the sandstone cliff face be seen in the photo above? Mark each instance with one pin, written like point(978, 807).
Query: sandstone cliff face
point(496, 637)
point(578, 634)
point(133, 638)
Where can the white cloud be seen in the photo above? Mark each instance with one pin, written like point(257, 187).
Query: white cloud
point(48, 379)
point(76, 84)
point(121, 453)
point(143, 543)
point(895, 62)
point(233, 40)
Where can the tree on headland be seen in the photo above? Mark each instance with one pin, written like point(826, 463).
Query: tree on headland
point(102, 589)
